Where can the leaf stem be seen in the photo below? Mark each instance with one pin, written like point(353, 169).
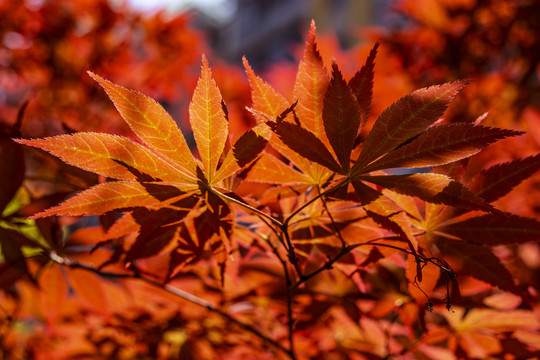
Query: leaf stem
point(247, 206)
point(324, 193)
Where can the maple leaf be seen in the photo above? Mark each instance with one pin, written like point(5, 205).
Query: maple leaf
point(477, 261)
point(158, 181)
point(362, 84)
point(441, 145)
point(310, 87)
point(495, 229)
point(408, 117)
point(435, 188)
point(497, 181)
point(163, 159)
point(341, 117)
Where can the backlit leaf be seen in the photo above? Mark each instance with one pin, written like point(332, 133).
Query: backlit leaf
point(341, 117)
point(268, 105)
point(362, 84)
point(441, 145)
point(310, 87)
point(150, 122)
point(104, 154)
point(208, 121)
point(269, 169)
point(434, 188)
point(495, 229)
point(406, 118)
point(110, 196)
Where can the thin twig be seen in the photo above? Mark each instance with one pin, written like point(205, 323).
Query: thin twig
point(343, 244)
point(324, 193)
point(290, 295)
point(180, 293)
point(247, 206)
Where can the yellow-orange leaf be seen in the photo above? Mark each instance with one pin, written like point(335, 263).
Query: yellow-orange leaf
point(270, 170)
point(311, 82)
point(110, 196)
point(151, 123)
point(210, 127)
point(109, 155)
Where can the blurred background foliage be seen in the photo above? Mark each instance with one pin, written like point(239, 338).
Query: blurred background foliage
point(46, 47)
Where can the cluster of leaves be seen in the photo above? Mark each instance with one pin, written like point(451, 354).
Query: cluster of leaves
point(300, 232)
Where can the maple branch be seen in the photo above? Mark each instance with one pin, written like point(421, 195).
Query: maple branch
point(291, 252)
point(347, 249)
point(73, 264)
point(290, 289)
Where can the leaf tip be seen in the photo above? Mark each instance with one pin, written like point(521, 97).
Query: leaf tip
point(312, 32)
point(205, 62)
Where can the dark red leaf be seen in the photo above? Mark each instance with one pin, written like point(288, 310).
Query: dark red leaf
point(495, 229)
point(499, 180)
point(341, 117)
point(362, 84)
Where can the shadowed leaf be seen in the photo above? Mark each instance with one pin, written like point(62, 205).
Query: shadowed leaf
point(362, 84)
point(341, 117)
point(476, 261)
point(306, 144)
point(434, 188)
point(12, 169)
point(158, 228)
point(499, 180)
point(408, 117)
point(441, 145)
point(495, 229)
point(246, 149)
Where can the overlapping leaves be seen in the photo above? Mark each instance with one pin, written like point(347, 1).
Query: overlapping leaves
point(158, 173)
point(403, 136)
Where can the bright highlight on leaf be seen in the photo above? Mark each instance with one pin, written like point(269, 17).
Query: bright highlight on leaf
point(208, 121)
point(151, 123)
